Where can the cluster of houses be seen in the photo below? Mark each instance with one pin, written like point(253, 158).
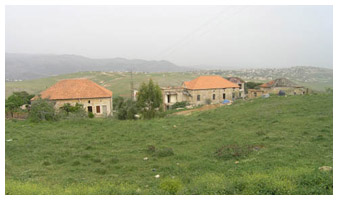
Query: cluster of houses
point(212, 89)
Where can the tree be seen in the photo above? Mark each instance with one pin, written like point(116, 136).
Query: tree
point(125, 109)
point(42, 109)
point(16, 100)
point(149, 99)
point(251, 85)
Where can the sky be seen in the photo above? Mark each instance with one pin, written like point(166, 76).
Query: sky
point(222, 36)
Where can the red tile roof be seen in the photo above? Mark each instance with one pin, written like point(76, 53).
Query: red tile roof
point(209, 82)
point(75, 89)
point(268, 84)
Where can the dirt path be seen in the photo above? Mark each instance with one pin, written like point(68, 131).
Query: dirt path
point(203, 108)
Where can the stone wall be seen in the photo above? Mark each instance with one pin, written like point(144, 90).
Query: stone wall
point(105, 105)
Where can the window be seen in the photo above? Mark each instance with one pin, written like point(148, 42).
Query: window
point(214, 96)
point(198, 97)
point(98, 109)
point(89, 101)
point(168, 96)
point(224, 96)
point(90, 109)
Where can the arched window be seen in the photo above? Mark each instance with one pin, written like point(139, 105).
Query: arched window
point(214, 96)
point(198, 97)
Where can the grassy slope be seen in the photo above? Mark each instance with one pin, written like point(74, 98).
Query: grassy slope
point(105, 156)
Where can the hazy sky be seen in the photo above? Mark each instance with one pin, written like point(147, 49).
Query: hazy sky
point(229, 36)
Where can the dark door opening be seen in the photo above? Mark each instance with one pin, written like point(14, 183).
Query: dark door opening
point(90, 109)
point(168, 96)
point(223, 95)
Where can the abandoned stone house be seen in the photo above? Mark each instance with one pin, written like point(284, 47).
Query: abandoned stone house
point(93, 97)
point(240, 82)
point(277, 85)
point(201, 89)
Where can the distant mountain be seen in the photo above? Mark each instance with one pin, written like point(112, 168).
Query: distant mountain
point(32, 66)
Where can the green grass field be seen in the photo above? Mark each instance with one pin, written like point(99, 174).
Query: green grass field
point(261, 146)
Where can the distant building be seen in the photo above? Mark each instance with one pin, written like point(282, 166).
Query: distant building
point(241, 83)
point(253, 93)
point(201, 89)
point(93, 97)
point(282, 84)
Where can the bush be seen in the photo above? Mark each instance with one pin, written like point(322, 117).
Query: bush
point(126, 109)
point(181, 104)
point(91, 115)
point(42, 110)
point(164, 152)
point(209, 184)
point(170, 185)
point(208, 101)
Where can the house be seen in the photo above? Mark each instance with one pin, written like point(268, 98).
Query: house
point(200, 90)
point(93, 97)
point(252, 93)
point(241, 83)
point(282, 84)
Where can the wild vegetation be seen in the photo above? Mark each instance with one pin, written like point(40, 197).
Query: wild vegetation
point(261, 146)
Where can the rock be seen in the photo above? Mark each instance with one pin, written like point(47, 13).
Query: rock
point(157, 176)
point(10, 140)
point(174, 126)
point(145, 158)
point(179, 108)
point(236, 162)
point(177, 163)
point(189, 107)
point(325, 168)
point(137, 116)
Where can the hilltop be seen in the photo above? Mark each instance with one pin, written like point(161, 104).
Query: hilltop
point(260, 146)
point(33, 66)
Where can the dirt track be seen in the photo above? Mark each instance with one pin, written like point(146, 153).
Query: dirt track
point(203, 108)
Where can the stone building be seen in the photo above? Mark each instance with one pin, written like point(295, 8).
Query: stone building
point(282, 84)
point(200, 90)
point(252, 93)
point(93, 97)
point(240, 83)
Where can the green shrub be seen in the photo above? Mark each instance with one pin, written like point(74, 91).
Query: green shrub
point(151, 149)
point(181, 104)
point(209, 183)
point(41, 110)
point(267, 184)
point(91, 115)
point(227, 152)
point(170, 185)
point(164, 152)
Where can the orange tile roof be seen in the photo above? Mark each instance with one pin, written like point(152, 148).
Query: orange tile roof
point(209, 82)
point(268, 84)
point(75, 89)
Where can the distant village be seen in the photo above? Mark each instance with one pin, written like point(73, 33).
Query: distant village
point(211, 89)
